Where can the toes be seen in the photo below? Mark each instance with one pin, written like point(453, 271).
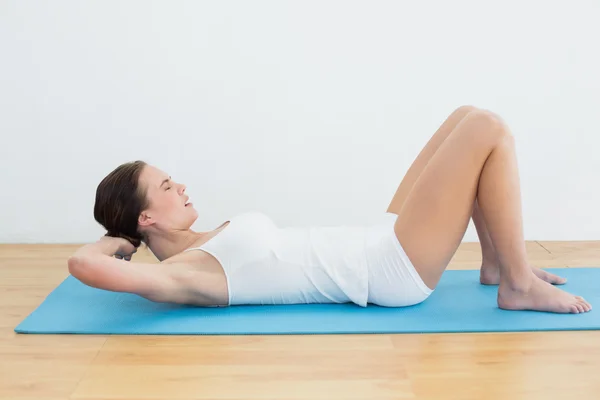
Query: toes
point(551, 278)
point(586, 306)
point(574, 309)
point(582, 305)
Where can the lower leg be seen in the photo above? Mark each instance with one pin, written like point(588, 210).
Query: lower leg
point(499, 198)
point(488, 252)
point(489, 273)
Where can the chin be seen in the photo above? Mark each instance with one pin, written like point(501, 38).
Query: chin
point(193, 217)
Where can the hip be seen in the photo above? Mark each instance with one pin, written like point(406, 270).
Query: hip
point(393, 280)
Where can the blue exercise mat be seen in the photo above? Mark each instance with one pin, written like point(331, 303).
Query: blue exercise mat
point(459, 304)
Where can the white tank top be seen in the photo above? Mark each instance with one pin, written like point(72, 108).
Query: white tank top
point(265, 264)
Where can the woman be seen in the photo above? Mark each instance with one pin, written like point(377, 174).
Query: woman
point(467, 169)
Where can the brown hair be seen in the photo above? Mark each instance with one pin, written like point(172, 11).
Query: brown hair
point(119, 201)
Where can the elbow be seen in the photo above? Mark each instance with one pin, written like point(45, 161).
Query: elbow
point(83, 270)
point(77, 266)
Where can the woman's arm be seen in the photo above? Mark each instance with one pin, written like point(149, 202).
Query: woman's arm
point(95, 265)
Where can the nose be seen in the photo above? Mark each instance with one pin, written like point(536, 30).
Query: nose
point(182, 188)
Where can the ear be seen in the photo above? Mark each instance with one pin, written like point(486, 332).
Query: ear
point(145, 220)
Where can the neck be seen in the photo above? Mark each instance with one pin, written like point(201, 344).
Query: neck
point(166, 245)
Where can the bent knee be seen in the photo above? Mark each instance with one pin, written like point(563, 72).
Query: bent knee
point(489, 123)
point(466, 109)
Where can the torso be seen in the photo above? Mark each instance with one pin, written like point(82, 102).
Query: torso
point(266, 264)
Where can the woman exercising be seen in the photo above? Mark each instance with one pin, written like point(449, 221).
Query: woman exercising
point(467, 169)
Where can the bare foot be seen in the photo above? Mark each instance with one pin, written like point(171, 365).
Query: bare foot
point(490, 275)
point(538, 295)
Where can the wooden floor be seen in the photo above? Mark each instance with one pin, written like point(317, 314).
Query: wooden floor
point(542, 365)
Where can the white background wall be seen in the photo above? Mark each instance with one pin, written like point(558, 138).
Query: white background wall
point(310, 111)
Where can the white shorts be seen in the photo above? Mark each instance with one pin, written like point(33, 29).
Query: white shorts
point(393, 280)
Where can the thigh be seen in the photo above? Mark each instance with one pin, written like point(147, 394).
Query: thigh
point(425, 155)
point(436, 213)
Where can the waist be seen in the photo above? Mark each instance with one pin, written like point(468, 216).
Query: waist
point(304, 265)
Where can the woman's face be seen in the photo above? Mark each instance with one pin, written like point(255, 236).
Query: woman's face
point(167, 210)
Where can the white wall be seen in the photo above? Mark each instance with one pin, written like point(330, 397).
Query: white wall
point(311, 111)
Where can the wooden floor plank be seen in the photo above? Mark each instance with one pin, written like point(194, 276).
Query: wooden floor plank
point(575, 254)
